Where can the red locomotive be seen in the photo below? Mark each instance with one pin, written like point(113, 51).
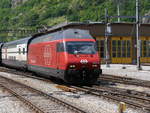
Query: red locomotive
point(70, 55)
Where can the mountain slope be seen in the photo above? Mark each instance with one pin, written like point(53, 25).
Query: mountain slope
point(34, 13)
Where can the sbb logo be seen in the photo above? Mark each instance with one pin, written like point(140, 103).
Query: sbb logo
point(83, 61)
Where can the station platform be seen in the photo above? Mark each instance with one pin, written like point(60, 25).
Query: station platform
point(130, 71)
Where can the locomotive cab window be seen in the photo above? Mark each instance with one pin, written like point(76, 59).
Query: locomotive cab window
point(81, 47)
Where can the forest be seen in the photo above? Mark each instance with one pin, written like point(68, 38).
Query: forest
point(33, 14)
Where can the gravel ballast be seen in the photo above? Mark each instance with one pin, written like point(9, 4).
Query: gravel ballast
point(10, 104)
point(87, 102)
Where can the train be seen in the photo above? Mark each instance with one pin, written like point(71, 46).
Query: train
point(70, 55)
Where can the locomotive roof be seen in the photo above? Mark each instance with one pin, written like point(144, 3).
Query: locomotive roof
point(64, 34)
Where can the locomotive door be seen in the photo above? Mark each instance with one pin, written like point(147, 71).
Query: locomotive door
point(145, 49)
point(47, 55)
point(121, 50)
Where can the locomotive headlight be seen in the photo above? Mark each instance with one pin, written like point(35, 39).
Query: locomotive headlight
point(72, 66)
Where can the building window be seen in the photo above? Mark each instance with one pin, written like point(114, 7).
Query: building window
point(100, 46)
point(121, 48)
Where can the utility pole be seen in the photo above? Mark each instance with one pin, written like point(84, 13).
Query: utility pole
point(118, 10)
point(106, 38)
point(137, 36)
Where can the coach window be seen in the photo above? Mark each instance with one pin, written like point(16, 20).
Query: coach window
point(23, 50)
point(19, 51)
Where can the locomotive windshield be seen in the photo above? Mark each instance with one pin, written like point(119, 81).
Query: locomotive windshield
point(81, 47)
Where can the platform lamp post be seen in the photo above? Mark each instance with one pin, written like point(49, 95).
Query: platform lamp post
point(107, 34)
point(138, 36)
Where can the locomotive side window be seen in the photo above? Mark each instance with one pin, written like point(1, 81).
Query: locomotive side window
point(60, 47)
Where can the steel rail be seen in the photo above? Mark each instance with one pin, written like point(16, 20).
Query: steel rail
point(27, 102)
point(23, 73)
point(125, 80)
point(121, 90)
point(65, 104)
point(114, 97)
point(121, 93)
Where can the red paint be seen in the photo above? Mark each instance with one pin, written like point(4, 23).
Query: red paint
point(45, 54)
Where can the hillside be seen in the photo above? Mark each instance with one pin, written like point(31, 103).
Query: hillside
point(33, 14)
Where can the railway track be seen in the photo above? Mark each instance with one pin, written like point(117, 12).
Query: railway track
point(133, 99)
point(104, 77)
point(124, 91)
point(38, 101)
point(23, 73)
point(124, 80)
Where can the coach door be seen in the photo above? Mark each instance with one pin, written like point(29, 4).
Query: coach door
point(121, 50)
point(145, 49)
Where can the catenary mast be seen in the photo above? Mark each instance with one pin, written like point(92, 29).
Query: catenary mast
point(138, 36)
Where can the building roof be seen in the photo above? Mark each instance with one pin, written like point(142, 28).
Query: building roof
point(98, 28)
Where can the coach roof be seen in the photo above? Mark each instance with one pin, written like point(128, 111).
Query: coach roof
point(21, 41)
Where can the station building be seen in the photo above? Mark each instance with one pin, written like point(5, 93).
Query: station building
point(121, 42)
